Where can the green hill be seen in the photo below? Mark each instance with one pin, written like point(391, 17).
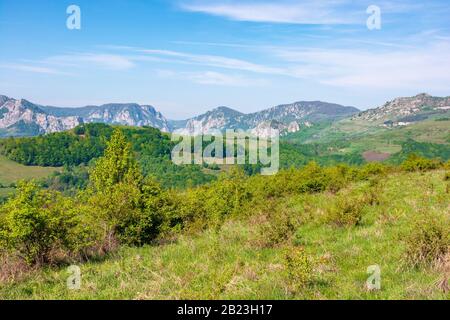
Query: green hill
point(429, 138)
point(86, 143)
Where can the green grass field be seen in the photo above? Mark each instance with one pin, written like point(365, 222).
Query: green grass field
point(234, 262)
point(11, 172)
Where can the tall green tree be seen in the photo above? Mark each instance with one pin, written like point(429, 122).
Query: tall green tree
point(117, 165)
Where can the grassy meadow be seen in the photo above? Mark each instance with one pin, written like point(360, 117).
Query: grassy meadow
point(11, 171)
point(284, 248)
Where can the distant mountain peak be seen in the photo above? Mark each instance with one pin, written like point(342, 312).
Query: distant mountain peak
point(406, 110)
point(423, 95)
point(225, 110)
point(22, 117)
point(285, 117)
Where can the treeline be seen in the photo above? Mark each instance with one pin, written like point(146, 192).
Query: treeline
point(295, 154)
point(58, 149)
point(422, 149)
point(76, 149)
point(80, 146)
point(152, 150)
point(121, 206)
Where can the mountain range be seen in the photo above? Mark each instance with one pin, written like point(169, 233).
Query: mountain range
point(285, 118)
point(23, 118)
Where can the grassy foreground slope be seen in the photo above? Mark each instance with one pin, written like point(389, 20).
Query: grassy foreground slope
point(254, 256)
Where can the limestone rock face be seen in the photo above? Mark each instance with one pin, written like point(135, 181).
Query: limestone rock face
point(285, 118)
point(21, 117)
point(406, 110)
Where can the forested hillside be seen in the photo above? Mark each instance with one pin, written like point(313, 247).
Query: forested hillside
point(77, 149)
point(87, 142)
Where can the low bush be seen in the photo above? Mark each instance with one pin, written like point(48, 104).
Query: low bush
point(36, 223)
point(347, 210)
point(338, 177)
point(447, 176)
point(372, 194)
point(278, 228)
point(416, 163)
point(373, 169)
point(313, 179)
point(299, 268)
point(428, 242)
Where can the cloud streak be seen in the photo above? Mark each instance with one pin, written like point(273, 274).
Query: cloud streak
point(414, 68)
point(89, 60)
point(399, 67)
point(292, 12)
point(30, 68)
point(405, 67)
point(308, 12)
point(213, 61)
point(213, 78)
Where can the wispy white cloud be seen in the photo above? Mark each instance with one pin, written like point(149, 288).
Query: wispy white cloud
point(383, 66)
point(69, 64)
point(293, 12)
point(101, 60)
point(213, 61)
point(30, 68)
point(313, 12)
point(214, 78)
point(414, 69)
point(402, 66)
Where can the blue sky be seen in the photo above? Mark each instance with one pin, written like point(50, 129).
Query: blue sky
point(188, 56)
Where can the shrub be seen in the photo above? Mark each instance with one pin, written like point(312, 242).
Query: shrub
point(313, 179)
point(36, 223)
point(338, 177)
point(373, 193)
point(447, 176)
point(159, 211)
point(269, 187)
point(416, 163)
point(191, 208)
point(299, 267)
point(372, 169)
point(130, 209)
point(428, 242)
point(117, 211)
point(133, 214)
point(447, 165)
point(226, 196)
point(279, 227)
point(347, 210)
